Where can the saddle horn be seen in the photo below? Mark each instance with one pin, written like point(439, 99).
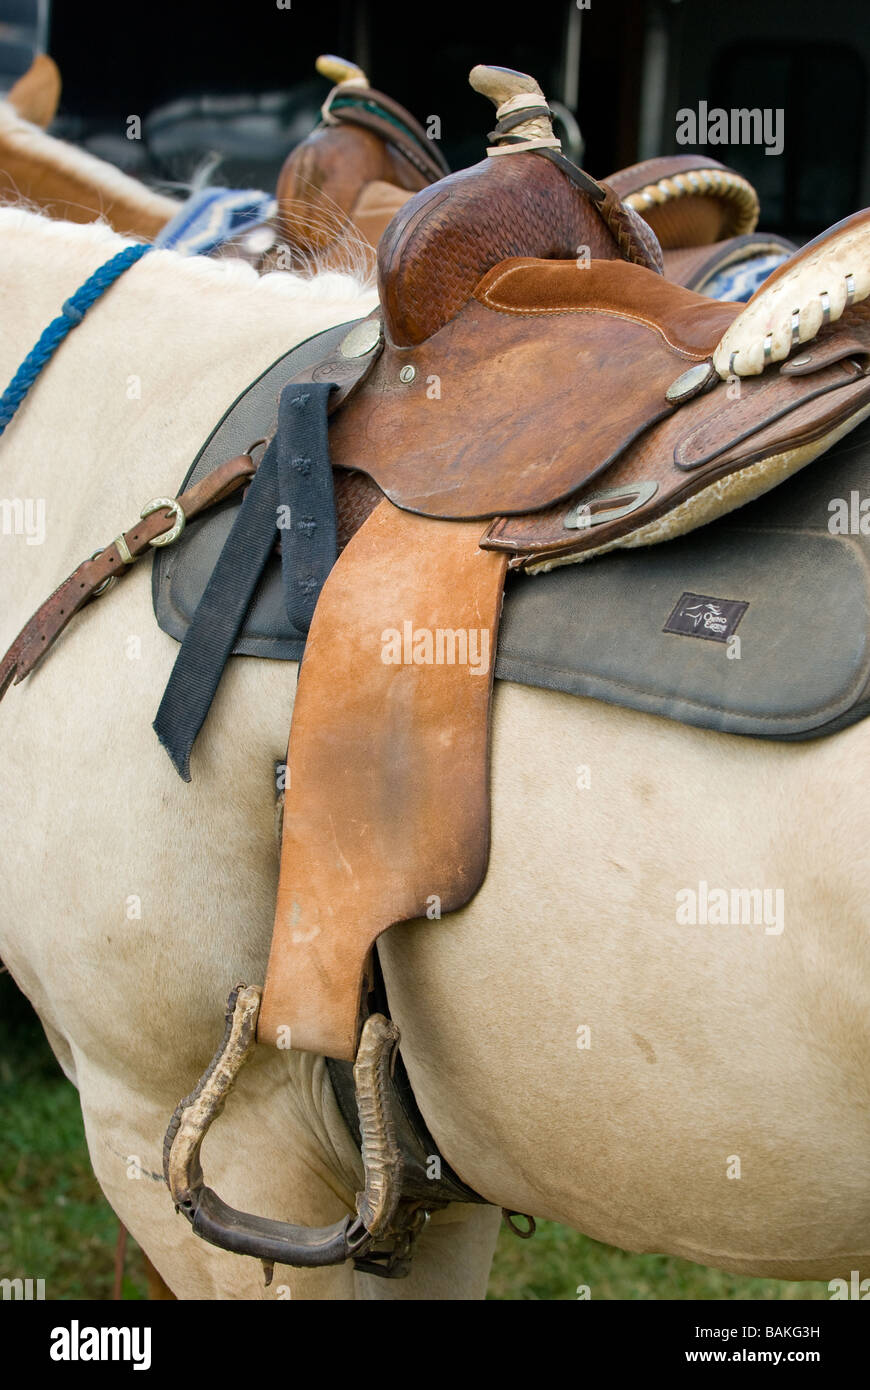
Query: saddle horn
point(524, 199)
point(340, 71)
point(521, 108)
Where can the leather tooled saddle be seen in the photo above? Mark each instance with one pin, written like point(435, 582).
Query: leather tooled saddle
point(515, 410)
point(533, 393)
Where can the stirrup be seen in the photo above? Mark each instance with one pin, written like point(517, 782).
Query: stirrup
point(379, 1238)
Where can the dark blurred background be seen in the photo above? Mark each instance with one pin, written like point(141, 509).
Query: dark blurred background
point(234, 80)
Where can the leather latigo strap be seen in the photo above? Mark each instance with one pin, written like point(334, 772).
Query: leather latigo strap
point(387, 806)
point(92, 576)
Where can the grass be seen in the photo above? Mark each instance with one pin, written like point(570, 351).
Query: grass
point(56, 1225)
point(557, 1261)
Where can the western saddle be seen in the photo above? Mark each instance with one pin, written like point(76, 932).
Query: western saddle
point(501, 382)
point(532, 392)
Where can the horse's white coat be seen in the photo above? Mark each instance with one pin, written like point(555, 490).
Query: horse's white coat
point(132, 902)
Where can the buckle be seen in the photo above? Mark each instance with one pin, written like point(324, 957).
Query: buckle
point(106, 583)
point(171, 504)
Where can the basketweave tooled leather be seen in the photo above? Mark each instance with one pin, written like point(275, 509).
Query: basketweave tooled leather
point(444, 240)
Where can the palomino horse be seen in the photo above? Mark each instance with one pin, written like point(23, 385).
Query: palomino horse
point(132, 901)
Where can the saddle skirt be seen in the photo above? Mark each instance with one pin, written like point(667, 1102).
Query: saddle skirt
point(799, 571)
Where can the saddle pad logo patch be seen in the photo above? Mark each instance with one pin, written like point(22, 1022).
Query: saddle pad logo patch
point(699, 615)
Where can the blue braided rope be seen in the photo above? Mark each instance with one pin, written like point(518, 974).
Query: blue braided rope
point(72, 313)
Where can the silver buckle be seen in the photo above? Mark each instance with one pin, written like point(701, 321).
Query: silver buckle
point(172, 505)
point(636, 494)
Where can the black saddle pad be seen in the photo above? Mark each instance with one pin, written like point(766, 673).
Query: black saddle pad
point(757, 624)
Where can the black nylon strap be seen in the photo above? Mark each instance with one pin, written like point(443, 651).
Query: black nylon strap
point(221, 610)
point(218, 617)
point(307, 500)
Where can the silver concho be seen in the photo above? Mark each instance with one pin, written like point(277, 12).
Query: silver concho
point(361, 339)
point(692, 382)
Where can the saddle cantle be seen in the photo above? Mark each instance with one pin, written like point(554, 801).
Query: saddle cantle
point(355, 170)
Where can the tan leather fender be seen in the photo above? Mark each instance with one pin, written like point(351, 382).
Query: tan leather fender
point(386, 815)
